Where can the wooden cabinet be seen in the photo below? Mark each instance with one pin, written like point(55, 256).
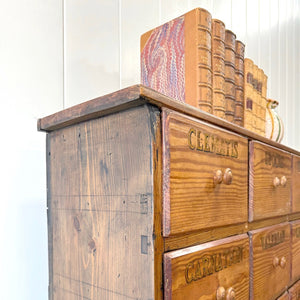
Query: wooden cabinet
point(296, 184)
point(218, 269)
point(270, 261)
point(204, 169)
point(295, 236)
point(150, 198)
point(294, 291)
point(270, 181)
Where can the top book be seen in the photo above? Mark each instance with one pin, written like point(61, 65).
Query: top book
point(176, 59)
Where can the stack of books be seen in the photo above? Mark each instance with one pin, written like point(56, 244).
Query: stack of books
point(196, 60)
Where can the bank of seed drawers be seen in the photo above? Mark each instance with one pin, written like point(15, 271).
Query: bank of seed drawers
point(205, 181)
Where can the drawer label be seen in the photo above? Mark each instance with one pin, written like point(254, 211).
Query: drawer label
point(272, 239)
point(201, 141)
point(275, 160)
point(209, 264)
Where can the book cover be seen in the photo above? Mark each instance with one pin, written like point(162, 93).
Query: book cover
point(176, 59)
point(248, 94)
point(218, 67)
point(230, 38)
point(239, 83)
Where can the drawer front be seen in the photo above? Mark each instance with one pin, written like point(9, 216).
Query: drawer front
point(214, 270)
point(205, 178)
point(295, 250)
point(284, 296)
point(294, 291)
point(269, 261)
point(269, 181)
point(296, 184)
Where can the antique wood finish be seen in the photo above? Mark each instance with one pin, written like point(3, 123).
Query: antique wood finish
point(200, 272)
point(193, 153)
point(284, 296)
point(294, 291)
point(269, 261)
point(100, 200)
point(295, 236)
point(137, 183)
point(296, 184)
point(269, 181)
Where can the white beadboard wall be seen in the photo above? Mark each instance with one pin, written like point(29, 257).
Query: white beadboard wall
point(101, 45)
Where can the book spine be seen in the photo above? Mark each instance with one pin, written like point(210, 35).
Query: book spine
point(248, 94)
point(256, 100)
point(218, 67)
point(261, 105)
point(229, 75)
point(239, 83)
point(264, 100)
point(204, 69)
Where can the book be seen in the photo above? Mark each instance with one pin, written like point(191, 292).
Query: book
point(256, 100)
point(230, 38)
point(248, 94)
point(176, 59)
point(218, 68)
point(263, 98)
point(239, 83)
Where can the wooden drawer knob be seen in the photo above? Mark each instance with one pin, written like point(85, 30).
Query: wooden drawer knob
point(230, 294)
point(227, 178)
point(283, 181)
point(282, 262)
point(275, 262)
point(218, 177)
point(276, 181)
point(221, 293)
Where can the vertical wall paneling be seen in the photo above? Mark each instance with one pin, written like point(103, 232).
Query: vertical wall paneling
point(173, 9)
point(239, 19)
point(264, 36)
point(206, 4)
point(253, 38)
point(31, 86)
point(273, 80)
point(289, 58)
point(91, 49)
point(222, 11)
point(296, 64)
point(132, 13)
point(283, 52)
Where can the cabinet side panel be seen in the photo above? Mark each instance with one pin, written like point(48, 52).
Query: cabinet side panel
point(101, 207)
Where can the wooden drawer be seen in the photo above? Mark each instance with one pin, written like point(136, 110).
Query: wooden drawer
point(269, 261)
point(296, 184)
point(294, 291)
point(194, 154)
point(269, 181)
point(295, 226)
point(209, 271)
point(284, 296)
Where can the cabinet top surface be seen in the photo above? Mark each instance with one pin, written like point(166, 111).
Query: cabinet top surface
point(134, 96)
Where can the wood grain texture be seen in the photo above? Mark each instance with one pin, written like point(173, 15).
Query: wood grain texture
point(265, 164)
point(295, 237)
point(101, 208)
point(284, 296)
point(134, 96)
point(197, 272)
point(296, 184)
point(294, 291)
point(192, 152)
point(266, 280)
